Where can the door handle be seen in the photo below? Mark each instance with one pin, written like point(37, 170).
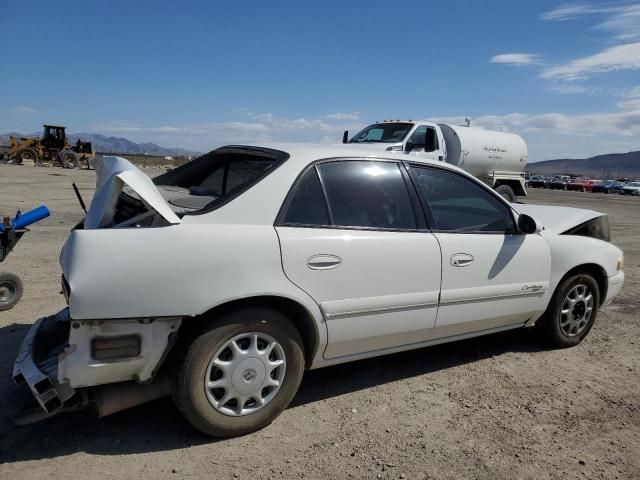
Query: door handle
point(323, 262)
point(461, 259)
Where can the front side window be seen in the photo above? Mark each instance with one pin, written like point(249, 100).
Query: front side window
point(367, 194)
point(458, 204)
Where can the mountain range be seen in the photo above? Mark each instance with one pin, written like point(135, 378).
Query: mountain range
point(608, 166)
point(105, 144)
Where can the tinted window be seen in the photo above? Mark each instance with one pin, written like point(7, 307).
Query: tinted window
point(367, 194)
point(307, 206)
point(459, 204)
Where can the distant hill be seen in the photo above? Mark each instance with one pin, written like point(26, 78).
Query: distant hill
point(104, 144)
point(611, 165)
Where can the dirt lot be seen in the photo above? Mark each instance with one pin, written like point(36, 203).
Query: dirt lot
point(489, 408)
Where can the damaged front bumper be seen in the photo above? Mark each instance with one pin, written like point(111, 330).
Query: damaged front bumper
point(61, 356)
point(39, 368)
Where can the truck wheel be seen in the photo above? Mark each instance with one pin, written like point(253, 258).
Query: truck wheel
point(25, 153)
point(240, 374)
point(506, 192)
point(69, 160)
point(571, 312)
point(10, 290)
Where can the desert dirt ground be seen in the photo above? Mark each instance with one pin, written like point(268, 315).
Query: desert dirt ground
point(496, 407)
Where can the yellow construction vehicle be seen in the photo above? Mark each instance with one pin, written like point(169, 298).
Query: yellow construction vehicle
point(52, 148)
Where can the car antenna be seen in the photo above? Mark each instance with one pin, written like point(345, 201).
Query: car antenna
point(75, 189)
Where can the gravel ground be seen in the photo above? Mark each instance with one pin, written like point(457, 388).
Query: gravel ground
point(496, 407)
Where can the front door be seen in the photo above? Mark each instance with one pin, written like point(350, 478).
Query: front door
point(492, 276)
point(423, 142)
point(350, 239)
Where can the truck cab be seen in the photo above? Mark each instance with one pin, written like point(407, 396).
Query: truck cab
point(423, 139)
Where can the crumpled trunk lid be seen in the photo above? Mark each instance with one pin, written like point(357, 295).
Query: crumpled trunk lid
point(112, 175)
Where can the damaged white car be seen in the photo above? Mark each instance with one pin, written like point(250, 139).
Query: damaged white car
point(221, 281)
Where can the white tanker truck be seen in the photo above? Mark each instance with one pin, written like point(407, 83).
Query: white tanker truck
point(497, 158)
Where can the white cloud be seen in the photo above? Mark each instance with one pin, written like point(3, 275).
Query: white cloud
point(517, 58)
point(557, 135)
point(22, 110)
point(620, 57)
point(548, 135)
point(623, 21)
point(624, 122)
point(343, 116)
point(631, 99)
point(261, 128)
point(568, 89)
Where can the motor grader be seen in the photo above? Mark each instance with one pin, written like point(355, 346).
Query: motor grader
point(53, 147)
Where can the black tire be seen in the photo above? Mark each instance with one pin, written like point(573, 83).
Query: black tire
point(549, 325)
point(10, 290)
point(69, 160)
point(25, 153)
point(192, 360)
point(506, 192)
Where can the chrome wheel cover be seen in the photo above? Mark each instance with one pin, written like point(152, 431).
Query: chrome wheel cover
point(245, 374)
point(576, 310)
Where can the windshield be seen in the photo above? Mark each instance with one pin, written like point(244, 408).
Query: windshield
point(383, 133)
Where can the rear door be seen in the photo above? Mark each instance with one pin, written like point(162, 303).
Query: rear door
point(350, 238)
point(492, 276)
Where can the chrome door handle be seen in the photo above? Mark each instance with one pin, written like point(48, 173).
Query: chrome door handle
point(461, 259)
point(323, 262)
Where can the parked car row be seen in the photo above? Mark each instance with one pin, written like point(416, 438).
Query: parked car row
point(584, 184)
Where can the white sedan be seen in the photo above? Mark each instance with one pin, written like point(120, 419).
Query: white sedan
point(631, 188)
point(221, 281)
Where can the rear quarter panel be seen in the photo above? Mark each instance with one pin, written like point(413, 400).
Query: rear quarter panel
point(180, 270)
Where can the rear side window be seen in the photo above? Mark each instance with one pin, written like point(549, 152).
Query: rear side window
point(458, 204)
point(367, 194)
point(307, 205)
point(218, 177)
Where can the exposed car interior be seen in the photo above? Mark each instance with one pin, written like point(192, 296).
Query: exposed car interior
point(201, 185)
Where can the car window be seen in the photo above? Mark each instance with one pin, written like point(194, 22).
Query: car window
point(367, 194)
point(459, 204)
point(307, 205)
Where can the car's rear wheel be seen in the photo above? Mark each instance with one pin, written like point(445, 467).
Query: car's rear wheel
point(571, 312)
point(240, 374)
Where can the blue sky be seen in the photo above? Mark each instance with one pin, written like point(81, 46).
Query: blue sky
point(198, 74)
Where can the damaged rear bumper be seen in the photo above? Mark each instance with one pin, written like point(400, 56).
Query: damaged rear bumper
point(60, 357)
point(39, 369)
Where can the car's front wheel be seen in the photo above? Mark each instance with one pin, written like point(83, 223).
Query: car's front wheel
point(240, 374)
point(571, 312)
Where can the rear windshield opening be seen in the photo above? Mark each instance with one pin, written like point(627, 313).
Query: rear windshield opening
point(215, 178)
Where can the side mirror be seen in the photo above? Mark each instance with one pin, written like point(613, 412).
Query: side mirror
point(528, 225)
point(345, 136)
point(430, 140)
